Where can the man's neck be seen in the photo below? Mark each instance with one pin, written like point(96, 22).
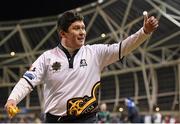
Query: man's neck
point(70, 50)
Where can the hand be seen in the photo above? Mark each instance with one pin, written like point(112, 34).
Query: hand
point(150, 24)
point(11, 108)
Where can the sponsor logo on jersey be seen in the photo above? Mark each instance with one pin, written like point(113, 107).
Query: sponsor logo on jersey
point(83, 63)
point(29, 75)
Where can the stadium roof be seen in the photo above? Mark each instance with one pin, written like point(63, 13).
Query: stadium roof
point(18, 10)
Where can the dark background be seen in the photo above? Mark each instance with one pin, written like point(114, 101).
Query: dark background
point(24, 9)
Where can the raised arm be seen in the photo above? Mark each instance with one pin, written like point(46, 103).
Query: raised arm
point(133, 41)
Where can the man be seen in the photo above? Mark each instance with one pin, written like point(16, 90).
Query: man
point(71, 71)
point(103, 115)
point(133, 113)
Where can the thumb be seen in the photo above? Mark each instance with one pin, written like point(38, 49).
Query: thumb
point(145, 14)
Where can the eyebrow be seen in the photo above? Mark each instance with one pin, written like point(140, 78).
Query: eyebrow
point(79, 26)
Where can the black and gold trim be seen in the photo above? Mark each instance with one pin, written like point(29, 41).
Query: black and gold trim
point(82, 105)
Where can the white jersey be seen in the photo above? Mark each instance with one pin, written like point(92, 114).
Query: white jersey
point(70, 83)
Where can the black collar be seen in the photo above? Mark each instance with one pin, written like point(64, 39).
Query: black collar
point(66, 51)
point(70, 58)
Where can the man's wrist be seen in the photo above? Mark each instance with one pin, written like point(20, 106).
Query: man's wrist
point(145, 31)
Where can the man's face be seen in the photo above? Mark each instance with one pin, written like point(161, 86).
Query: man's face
point(75, 36)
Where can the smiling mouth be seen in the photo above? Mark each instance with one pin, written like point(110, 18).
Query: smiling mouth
point(80, 38)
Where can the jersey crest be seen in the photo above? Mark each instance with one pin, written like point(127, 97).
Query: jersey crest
point(56, 66)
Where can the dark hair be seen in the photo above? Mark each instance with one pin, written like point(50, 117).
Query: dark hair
point(67, 18)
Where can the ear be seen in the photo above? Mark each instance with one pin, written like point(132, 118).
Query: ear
point(62, 33)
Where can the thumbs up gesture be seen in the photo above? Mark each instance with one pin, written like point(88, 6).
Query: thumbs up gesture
point(150, 23)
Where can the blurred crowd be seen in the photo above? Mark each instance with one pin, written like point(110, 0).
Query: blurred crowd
point(130, 115)
point(104, 117)
point(23, 118)
point(127, 118)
